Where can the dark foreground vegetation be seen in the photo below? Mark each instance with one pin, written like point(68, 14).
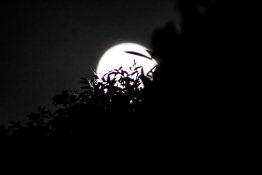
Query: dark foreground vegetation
point(195, 88)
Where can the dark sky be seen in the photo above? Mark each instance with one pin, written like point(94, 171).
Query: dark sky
point(46, 46)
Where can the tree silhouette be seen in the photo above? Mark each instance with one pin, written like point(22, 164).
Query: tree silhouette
point(198, 54)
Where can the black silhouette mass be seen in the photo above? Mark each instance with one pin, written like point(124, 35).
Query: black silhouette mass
point(193, 92)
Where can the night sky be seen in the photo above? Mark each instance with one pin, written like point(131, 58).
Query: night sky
point(46, 46)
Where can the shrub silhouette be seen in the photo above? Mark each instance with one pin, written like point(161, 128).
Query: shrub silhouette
point(117, 94)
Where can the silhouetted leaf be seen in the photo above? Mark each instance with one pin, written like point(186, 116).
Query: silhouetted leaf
point(94, 71)
point(138, 54)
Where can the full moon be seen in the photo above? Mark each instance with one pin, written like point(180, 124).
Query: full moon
point(123, 55)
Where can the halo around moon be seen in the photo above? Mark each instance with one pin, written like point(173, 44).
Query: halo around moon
point(123, 55)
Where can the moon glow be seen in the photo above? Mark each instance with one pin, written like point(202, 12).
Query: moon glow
point(123, 55)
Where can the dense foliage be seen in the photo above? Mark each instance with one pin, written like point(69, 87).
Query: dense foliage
point(117, 93)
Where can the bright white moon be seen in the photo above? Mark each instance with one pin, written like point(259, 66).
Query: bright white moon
point(118, 56)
